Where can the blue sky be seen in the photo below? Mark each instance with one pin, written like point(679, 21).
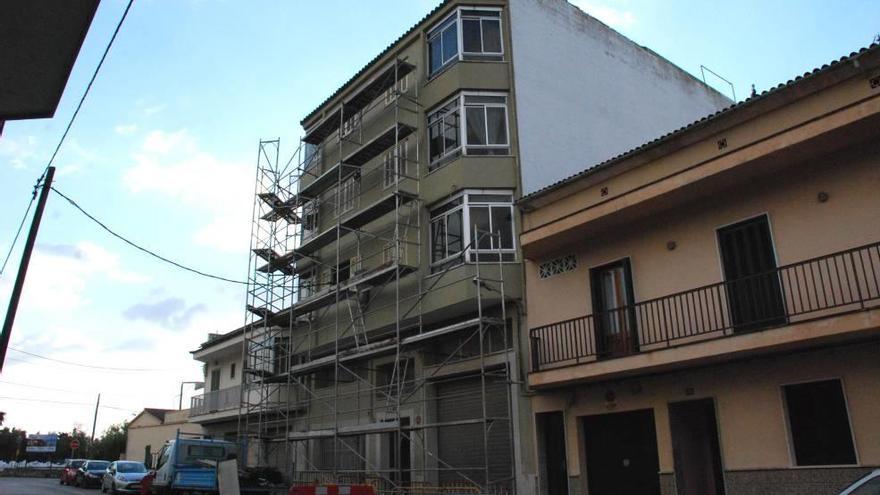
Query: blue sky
point(164, 151)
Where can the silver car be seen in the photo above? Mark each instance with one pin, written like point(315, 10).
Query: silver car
point(123, 477)
point(869, 485)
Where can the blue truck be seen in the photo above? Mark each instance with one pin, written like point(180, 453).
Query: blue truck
point(188, 466)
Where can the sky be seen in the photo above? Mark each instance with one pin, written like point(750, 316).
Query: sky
point(164, 152)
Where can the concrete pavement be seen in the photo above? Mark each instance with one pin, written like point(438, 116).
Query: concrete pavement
point(40, 486)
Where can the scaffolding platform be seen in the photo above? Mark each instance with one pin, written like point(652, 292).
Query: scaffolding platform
point(377, 209)
point(374, 147)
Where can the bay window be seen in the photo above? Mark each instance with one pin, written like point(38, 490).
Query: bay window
point(467, 34)
point(483, 129)
point(453, 227)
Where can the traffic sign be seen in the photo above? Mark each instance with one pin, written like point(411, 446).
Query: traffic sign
point(74, 444)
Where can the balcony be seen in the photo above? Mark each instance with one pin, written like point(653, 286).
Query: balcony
point(789, 307)
point(225, 399)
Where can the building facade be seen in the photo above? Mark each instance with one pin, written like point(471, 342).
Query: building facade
point(150, 429)
point(383, 341)
point(216, 409)
point(704, 310)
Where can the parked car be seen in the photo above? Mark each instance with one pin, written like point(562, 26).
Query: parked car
point(868, 485)
point(189, 465)
point(68, 472)
point(91, 473)
point(123, 477)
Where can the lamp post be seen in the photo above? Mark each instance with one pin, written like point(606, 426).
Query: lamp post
point(197, 386)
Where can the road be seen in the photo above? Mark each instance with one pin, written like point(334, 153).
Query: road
point(40, 486)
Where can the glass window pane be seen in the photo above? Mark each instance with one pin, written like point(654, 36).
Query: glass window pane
point(438, 239)
point(435, 140)
point(470, 32)
point(502, 222)
point(497, 124)
point(454, 234)
point(480, 220)
point(476, 125)
point(491, 36)
point(450, 42)
point(435, 54)
point(451, 127)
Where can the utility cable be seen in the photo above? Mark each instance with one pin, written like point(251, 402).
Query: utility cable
point(91, 81)
point(143, 249)
point(102, 406)
point(107, 368)
point(23, 220)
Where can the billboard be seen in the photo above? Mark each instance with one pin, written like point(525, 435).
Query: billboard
point(42, 443)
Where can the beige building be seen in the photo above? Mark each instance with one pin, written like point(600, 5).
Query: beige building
point(704, 310)
point(150, 429)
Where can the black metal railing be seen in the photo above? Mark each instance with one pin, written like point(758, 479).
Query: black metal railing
point(819, 287)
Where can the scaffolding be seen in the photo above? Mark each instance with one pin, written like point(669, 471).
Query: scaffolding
point(349, 378)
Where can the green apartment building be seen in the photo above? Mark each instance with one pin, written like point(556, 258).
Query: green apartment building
point(385, 337)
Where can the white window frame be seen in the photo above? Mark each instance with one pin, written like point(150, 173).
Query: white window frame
point(399, 88)
point(310, 208)
point(351, 125)
point(389, 252)
point(355, 266)
point(462, 125)
point(460, 13)
point(395, 164)
point(349, 193)
point(469, 252)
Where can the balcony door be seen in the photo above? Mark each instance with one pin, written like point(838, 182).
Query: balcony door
point(754, 293)
point(613, 312)
point(211, 399)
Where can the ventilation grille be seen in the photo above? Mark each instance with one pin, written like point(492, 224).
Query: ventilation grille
point(567, 263)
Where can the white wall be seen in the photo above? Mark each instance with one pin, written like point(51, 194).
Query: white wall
point(585, 93)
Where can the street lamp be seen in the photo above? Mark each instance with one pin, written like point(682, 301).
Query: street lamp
point(197, 386)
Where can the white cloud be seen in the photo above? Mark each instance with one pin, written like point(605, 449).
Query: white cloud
point(126, 129)
point(153, 110)
point(59, 275)
point(611, 16)
point(173, 165)
point(20, 151)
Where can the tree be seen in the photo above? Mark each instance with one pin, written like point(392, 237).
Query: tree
point(111, 445)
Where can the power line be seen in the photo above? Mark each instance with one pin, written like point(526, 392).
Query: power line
point(143, 249)
point(106, 368)
point(91, 81)
point(67, 402)
point(23, 220)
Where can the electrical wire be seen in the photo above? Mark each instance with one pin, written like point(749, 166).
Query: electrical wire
point(23, 220)
point(106, 368)
point(143, 249)
point(91, 81)
point(68, 402)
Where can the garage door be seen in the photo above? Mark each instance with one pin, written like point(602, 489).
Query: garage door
point(461, 446)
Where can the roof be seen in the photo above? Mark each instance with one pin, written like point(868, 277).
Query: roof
point(711, 118)
point(41, 41)
point(158, 413)
point(372, 62)
point(219, 339)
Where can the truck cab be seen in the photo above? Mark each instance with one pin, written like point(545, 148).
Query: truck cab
point(189, 465)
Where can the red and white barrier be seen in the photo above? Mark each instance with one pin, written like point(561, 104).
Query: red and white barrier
point(332, 490)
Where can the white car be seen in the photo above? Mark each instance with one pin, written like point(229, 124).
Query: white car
point(123, 477)
point(869, 485)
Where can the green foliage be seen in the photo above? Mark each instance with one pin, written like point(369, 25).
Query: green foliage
point(112, 444)
point(109, 446)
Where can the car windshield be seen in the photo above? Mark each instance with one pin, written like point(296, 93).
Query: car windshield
point(97, 466)
point(131, 467)
point(76, 464)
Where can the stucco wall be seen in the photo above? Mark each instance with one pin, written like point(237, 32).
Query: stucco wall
point(151, 432)
point(749, 406)
point(802, 228)
point(585, 93)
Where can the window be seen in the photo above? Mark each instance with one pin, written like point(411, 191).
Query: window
point(484, 130)
point(356, 266)
point(310, 219)
point(453, 224)
point(480, 38)
point(388, 378)
point(443, 44)
point(389, 253)
point(232, 371)
point(819, 424)
point(312, 157)
point(613, 309)
point(348, 194)
point(351, 125)
point(307, 283)
point(280, 355)
point(395, 164)
point(398, 89)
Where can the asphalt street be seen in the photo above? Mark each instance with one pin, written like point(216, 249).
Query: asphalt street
point(40, 486)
